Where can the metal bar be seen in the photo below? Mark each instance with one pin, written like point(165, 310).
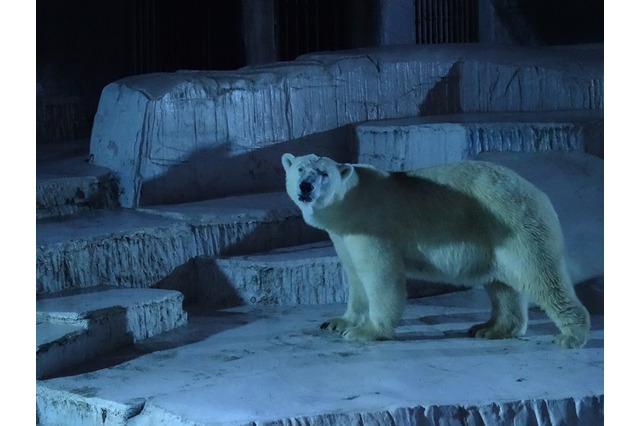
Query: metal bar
point(432, 21)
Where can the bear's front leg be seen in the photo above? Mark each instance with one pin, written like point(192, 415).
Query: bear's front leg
point(357, 306)
point(378, 269)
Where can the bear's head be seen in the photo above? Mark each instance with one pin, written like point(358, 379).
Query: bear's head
point(315, 182)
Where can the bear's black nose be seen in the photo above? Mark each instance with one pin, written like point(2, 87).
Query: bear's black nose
point(305, 192)
point(306, 187)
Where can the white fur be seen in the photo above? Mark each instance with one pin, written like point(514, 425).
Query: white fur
point(464, 223)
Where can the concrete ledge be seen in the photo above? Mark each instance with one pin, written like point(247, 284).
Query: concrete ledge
point(307, 274)
point(215, 133)
point(410, 143)
point(73, 329)
point(108, 248)
point(274, 366)
point(87, 410)
point(128, 248)
point(588, 410)
point(69, 186)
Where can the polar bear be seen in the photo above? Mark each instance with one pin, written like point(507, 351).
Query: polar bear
point(465, 223)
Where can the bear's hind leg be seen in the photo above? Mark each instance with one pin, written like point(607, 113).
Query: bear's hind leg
point(508, 313)
point(558, 299)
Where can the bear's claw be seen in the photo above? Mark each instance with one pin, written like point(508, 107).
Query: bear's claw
point(491, 331)
point(335, 324)
point(367, 333)
point(570, 342)
point(325, 325)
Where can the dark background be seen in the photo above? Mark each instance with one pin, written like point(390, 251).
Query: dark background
point(81, 46)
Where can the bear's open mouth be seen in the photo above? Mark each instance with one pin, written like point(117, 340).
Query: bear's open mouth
point(304, 198)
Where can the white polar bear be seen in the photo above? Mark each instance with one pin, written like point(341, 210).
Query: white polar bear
point(464, 223)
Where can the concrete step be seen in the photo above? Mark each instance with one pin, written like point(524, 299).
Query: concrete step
point(411, 143)
point(70, 185)
point(154, 246)
point(71, 329)
point(305, 274)
point(273, 365)
point(308, 274)
point(178, 137)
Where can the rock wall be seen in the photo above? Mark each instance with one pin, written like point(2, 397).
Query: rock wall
point(194, 135)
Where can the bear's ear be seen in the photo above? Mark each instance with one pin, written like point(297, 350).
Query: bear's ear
point(346, 170)
point(287, 160)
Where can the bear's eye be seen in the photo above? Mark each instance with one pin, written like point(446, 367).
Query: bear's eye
point(324, 174)
point(300, 169)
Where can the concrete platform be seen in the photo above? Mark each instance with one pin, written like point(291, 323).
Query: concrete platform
point(179, 137)
point(74, 328)
point(219, 253)
point(305, 274)
point(409, 143)
point(258, 365)
point(66, 186)
point(129, 248)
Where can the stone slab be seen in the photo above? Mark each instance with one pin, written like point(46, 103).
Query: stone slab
point(240, 208)
point(121, 248)
point(48, 332)
point(74, 328)
point(129, 248)
point(483, 77)
point(410, 143)
point(71, 185)
point(274, 366)
point(307, 274)
point(178, 137)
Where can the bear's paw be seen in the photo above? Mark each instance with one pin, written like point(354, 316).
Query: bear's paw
point(568, 341)
point(368, 332)
point(336, 324)
point(492, 331)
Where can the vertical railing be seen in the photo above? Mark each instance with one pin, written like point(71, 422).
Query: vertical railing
point(446, 21)
point(186, 34)
point(311, 25)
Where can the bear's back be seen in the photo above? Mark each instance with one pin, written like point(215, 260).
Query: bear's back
point(498, 189)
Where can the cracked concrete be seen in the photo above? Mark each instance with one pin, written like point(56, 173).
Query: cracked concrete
point(261, 365)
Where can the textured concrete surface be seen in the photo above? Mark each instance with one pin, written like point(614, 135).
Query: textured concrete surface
point(119, 248)
point(195, 135)
point(212, 133)
point(74, 328)
point(409, 143)
point(306, 274)
point(128, 248)
point(72, 185)
point(260, 365)
point(158, 245)
point(272, 365)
